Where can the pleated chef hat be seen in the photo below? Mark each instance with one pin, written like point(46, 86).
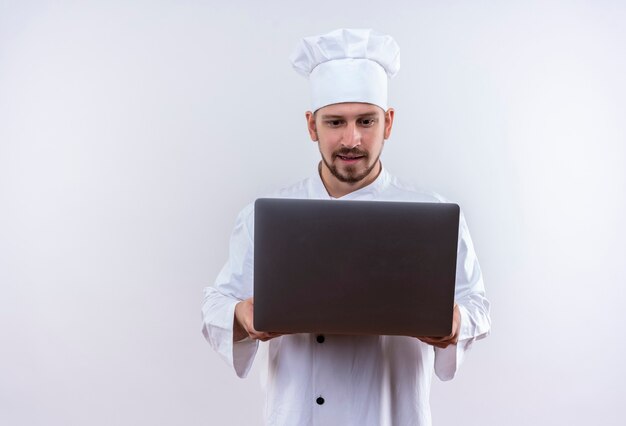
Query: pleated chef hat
point(348, 65)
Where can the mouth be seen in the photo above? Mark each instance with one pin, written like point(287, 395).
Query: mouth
point(350, 158)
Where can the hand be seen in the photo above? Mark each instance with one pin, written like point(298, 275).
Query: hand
point(243, 323)
point(452, 338)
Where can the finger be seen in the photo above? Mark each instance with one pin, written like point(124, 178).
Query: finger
point(432, 339)
point(273, 334)
point(439, 342)
point(260, 335)
point(265, 337)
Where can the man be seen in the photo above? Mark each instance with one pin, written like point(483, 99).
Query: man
point(330, 379)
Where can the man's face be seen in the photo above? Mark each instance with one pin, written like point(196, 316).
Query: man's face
point(351, 137)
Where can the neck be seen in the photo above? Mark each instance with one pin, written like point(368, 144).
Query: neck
point(338, 189)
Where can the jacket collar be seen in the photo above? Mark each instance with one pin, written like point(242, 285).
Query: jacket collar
point(317, 190)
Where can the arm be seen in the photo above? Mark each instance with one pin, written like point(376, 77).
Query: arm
point(471, 313)
point(233, 284)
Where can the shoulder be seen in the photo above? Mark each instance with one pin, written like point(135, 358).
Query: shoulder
point(296, 190)
point(404, 191)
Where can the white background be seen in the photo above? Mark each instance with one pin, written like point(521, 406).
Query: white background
point(131, 133)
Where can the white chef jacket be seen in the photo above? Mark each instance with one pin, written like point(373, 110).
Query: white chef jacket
point(336, 379)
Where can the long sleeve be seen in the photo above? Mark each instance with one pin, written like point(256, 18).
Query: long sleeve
point(473, 307)
point(233, 284)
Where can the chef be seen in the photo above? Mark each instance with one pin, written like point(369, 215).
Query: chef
point(316, 379)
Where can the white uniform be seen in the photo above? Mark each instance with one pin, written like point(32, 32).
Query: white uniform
point(344, 380)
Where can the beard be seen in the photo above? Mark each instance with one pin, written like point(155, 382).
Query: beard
point(351, 173)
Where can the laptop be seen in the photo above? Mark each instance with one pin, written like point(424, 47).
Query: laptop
point(354, 267)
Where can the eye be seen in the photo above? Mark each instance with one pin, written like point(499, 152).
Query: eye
point(367, 122)
point(334, 123)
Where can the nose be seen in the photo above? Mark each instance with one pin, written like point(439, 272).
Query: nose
point(351, 136)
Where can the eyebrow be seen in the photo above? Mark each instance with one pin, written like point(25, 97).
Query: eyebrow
point(341, 117)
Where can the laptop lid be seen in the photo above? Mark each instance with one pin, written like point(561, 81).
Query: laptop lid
point(354, 267)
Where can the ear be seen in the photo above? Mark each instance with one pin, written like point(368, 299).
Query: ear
point(310, 122)
point(389, 114)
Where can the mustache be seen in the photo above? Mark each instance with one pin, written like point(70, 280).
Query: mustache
point(352, 152)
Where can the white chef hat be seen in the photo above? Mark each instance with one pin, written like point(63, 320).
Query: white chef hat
point(348, 65)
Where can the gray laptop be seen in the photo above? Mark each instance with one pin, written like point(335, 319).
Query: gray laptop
point(354, 267)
